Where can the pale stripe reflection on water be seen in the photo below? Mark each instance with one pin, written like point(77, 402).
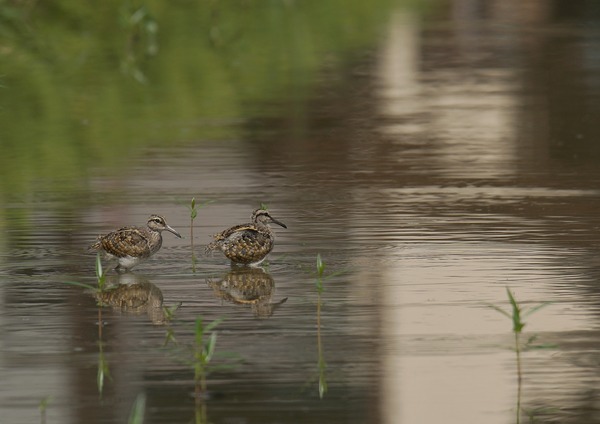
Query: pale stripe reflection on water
point(449, 349)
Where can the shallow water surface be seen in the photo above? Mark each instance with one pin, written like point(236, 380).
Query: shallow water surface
point(431, 171)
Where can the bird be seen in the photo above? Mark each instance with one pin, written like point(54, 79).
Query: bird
point(247, 244)
point(132, 245)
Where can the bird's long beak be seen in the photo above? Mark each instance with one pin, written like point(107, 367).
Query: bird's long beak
point(274, 221)
point(172, 230)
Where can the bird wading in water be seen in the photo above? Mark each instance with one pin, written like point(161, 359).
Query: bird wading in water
point(132, 245)
point(247, 244)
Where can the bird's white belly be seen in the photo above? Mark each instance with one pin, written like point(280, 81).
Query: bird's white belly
point(128, 261)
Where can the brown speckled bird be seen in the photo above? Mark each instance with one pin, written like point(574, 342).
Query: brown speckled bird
point(131, 245)
point(247, 244)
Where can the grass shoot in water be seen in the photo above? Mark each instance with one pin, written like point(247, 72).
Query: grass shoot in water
point(199, 355)
point(103, 367)
point(193, 215)
point(100, 278)
point(43, 407)
point(203, 352)
point(516, 316)
point(169, 314)
point(320, 271)
point(321, 278)
point(193, 208)
point(100, 274)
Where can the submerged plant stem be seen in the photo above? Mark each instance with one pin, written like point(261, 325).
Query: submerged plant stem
point(519, 375)
point(100, 324)
point(43, 407)
point(103, 368)
point(192, 217)
point(322, 365)
point(517, 315)
point(518, 352)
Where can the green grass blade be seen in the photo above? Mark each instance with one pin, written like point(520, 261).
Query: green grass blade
point(518, 324)
point(44, 403)
point(536, 308)
point(100, 379)
point(502, 311)
point(170, 310)
point(210, 348)
point(320, 265)
point(322, 386)
point(320, 287)
point(335, 274)
point(138, 410)
point(512, 300)
point(170, 338)
point(213, 324)
point(99, 271)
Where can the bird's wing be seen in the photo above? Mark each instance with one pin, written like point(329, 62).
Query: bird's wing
point(238, 230)
point(128, 241)
point(251, 236)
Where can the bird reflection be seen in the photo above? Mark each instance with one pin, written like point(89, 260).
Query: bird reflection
point(133, 294)
point(248, 286)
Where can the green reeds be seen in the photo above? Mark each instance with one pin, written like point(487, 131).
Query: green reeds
point(321, 278)
point(200, 355)
point(204, 350)
point(103, 368)
point(193, 215)
point(100, 278)
point(517, 316)
point(169, 314)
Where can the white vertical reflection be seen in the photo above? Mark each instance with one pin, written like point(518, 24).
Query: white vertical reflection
point(399, 66)
point(446, 356)
point(437, 362)
point(463, 111)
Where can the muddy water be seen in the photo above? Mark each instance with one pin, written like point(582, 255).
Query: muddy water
point(453, 160)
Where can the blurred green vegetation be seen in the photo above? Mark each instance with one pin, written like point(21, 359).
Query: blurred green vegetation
point(82, 86)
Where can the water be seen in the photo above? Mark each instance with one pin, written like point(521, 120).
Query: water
point(451, 157)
